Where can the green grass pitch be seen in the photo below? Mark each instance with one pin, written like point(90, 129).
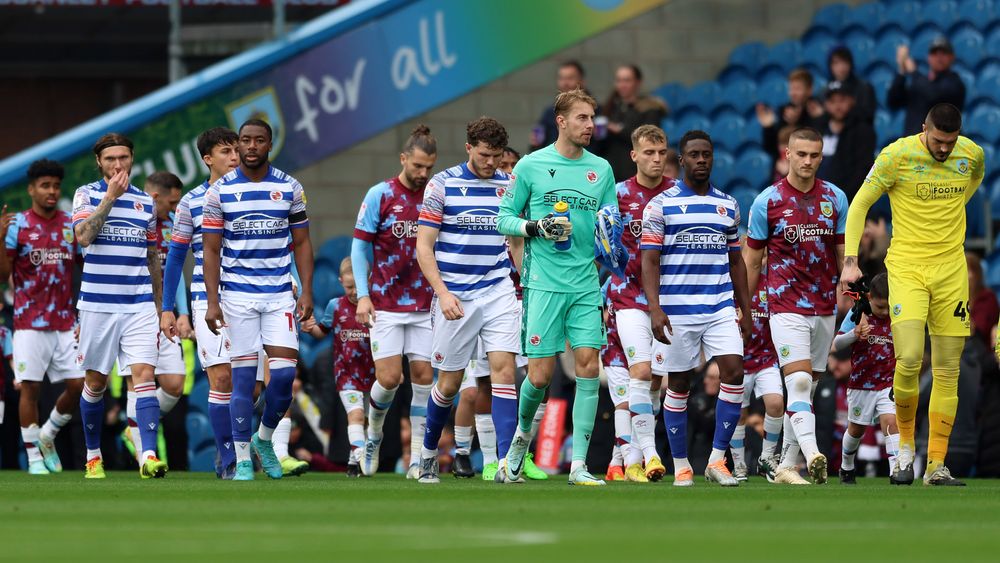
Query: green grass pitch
point(326, 517)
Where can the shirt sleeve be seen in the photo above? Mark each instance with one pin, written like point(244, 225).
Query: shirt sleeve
point(977, 174)
point(757, 228)
point(432, 211)
point(297, 214)
point(82, 207)
point(733, 232)
point(509, 221)
point(211, 212)
point(10, 242)
point(183, 228)
point(368, 216)
point(652, 225)
point(880, 180)
point(846, 326)
point(151, 227)
point(842, 210)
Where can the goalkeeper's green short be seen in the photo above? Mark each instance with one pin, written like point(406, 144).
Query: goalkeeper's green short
point(551, 318)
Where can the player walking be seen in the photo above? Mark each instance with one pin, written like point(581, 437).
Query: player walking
point(929, 178)
point(464, 258)
point(119, 298)
point(248, 218)
point(691, 266)
point(800, 221)
point(649, 152)
point(397, 307)
point(218, 148)
point(40, 251)
point(562, 293)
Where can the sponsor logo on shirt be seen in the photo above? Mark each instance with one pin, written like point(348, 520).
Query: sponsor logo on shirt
point(576, 199)
point(874, 340)
point(352, 335)
point(48, 256)
point(258, 224)
point(482, 219)
point(119, 230)
point(700, 237)
point(806, 233)
point(934, 190)
point(407, 229)
point(635, 227)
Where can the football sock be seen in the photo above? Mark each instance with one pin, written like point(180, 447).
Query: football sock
point(536, 421)
point(438, 410)
point(631, 454)
point(356, 436)
point(92, 415)
point(616, 457)
point(279, 439)
point(892, 448)
point(800, 412)
point(241, 403)
point(908, 342)
point(29, 435)
point(147, 418)
point(675, 421)
point(654, 399)
point(133, 426)
point(643, 423)
point(790, 448)
point(727, 417)
point(946, 354)
point(379, 402)
point(531, 397)
point(584, 416)
point(54, 424)
point(165, 401)
point(737, 446)
point(502, 423)
point(222, 426)
point(277, 395)
point(488, 435)
point(849, 448)
point(418, 418)
point(463, 440)
point(772, 433)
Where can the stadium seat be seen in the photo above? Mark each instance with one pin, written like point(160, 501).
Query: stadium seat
point(785, 54)
point(723, 168)
point(989, 86)
point(691, 121)
point(831, 17)
point(979, 13)
point(989, 66)
point(705, 95)
point(975, 215)
point(816, 46)
point(863, 49)
point(772, 88)
point(733, 73)
point(744, 197)
point(755, 167)
point(990, 154)
point(672, 92)
point(749, 56)
point(985, 120)
point(883, 127)
point(968, 44)
point(880, 75)
point(326, 282)
point(921, 41)
point(992, 43)
point(728, 130)
point(870, 16)
point(905, 14)
point(740, 95)
point(942, 12)
point(336, 249)
point(887, 44)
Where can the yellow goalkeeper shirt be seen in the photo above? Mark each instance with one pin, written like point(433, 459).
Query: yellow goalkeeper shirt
point(927, 198)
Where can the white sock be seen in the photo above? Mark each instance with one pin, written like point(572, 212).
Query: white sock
point(356, 436)
point(487, 437)
point(537, 421)
point(643, 423)
point(265, 433)
point(849, 449)
point(576, 464)
point(280, 438)
point(418, 422)
point(800, 388)
point(616, 457)
point(625, 438)
point(892, 448)
point(381, 400)
point(54, 424)
point(29, 435)
point(790, 447)
point(91, 454)
point(463, 440)
point(737, 447)
point(133, 428)
point(654, 397)
point(166, 400)
point(242, 451)
point(772, 432)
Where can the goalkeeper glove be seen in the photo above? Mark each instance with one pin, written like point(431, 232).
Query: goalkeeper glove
point(858, 291)
point(608, 248)
point(550, 227)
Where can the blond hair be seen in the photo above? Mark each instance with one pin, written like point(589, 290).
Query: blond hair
point(345, 267)
point(651, 133)
point(565, 101)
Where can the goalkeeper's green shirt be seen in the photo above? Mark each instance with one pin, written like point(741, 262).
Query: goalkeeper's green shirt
point(539, 180)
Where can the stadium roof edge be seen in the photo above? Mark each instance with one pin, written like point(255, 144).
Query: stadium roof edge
point(155, 104)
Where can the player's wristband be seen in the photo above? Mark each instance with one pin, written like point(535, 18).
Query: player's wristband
point(531, 228)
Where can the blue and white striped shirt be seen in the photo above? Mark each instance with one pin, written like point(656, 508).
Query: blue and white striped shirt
point(115, 268)
point(187, 230)
point(471, 254)
point(694, 235)
point(255, 219)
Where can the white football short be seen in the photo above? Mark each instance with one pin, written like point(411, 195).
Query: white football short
point(764, 382)
point(802, 337)
point(494, 319)
point(480, 367)
point(617, 384)
point(353, 400)
point(717, 338)
point(40, 352)
point(213, 349)
point(636, 336)
point(866, 406)
point(253, 324)
point(170, 360)
point(397, 334)
point(131, 338)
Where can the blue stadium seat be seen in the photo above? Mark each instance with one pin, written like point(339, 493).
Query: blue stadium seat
point(326, 282)
point(975, 215)
point(977, 12)
point(989, 85)
point(863, 48)
point(883, 127)
point(749, 55)
point(968, 44)
point(729, 130)
point(942, 12)
point(880, 75)
point(755, 167)
point(888, 42)
point(772, 88)
point(905, 14)
point(691, 121)
point(672, 92)
point(723, 167)
point(994, 193)
point(921, 41)
point(831, 17)
point(744, 196)
point(668, 124)
point(992, 43)
point(785, 54)
point(985, 121)
point(870, 16)
point(990, 154)
point(990, 66)
point(336, 249)
point(733, 73)
point(705, 95)
point(816, 46)
point(740, 95)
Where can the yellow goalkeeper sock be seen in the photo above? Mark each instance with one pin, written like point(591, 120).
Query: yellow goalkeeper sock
point(946, 354)
point(908, 340)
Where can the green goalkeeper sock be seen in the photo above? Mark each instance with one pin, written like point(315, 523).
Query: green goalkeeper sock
point(531, 397)
point(584, 413)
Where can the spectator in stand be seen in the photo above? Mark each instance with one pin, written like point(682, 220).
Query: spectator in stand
point(841, 65)
point(781, 163)
point(983, 303)
point(625, 110)
point(672, 164)
point(802, 110)
point(918, 93)
point(848, 141)
point(570, 76)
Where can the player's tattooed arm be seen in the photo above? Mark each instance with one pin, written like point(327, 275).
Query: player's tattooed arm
point(89, 228)
point(155, 276)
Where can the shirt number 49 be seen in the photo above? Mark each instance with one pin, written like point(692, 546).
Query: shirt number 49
point(962, 310)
